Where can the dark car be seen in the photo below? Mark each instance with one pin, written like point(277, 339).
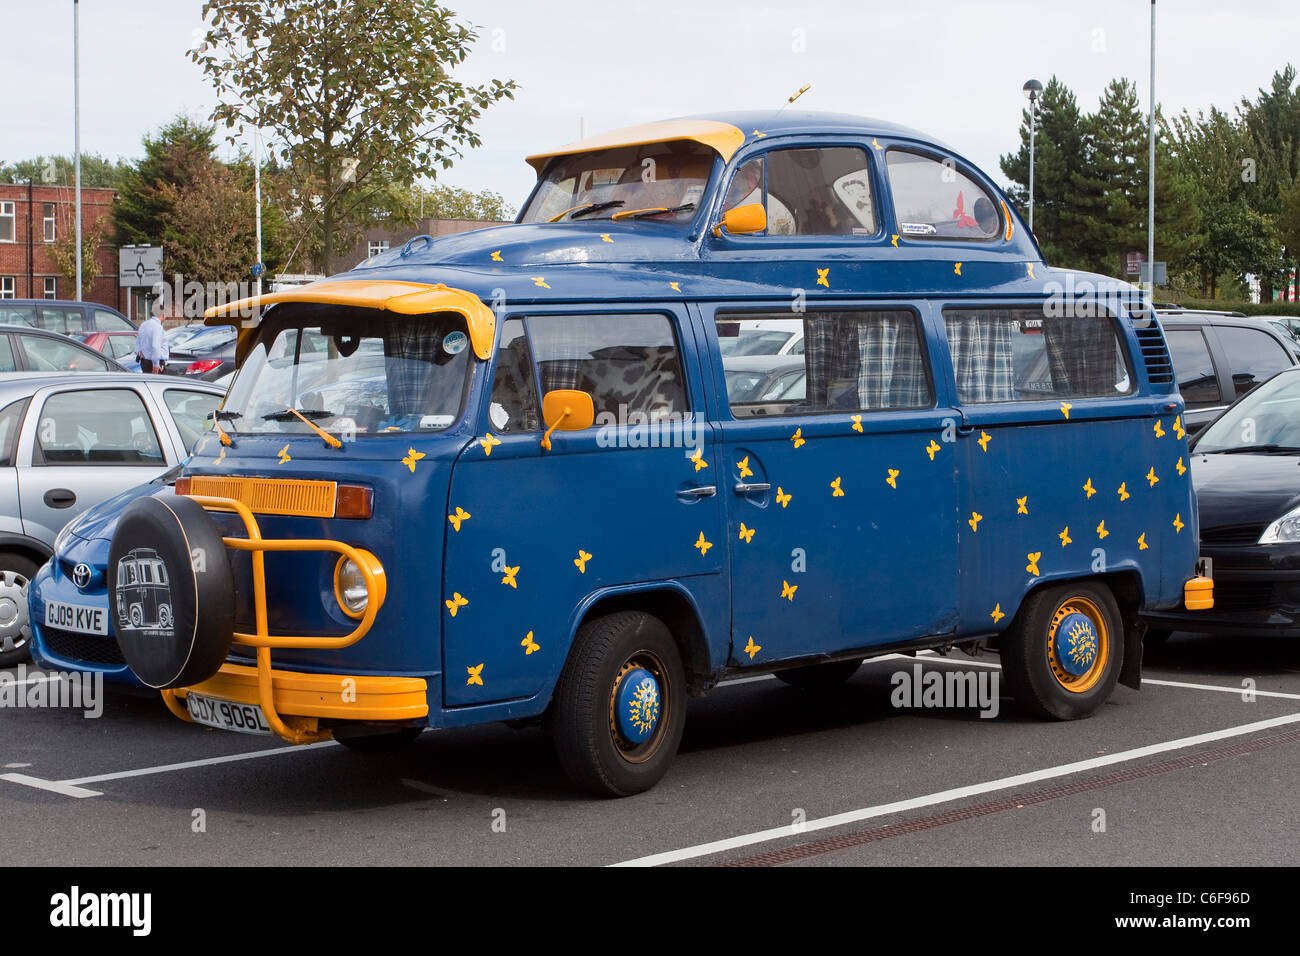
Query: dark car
point(1220, 356)
point(58, 315)
point(24, 349)
point(205, 355)
point(764, 378)
point(1246, 471)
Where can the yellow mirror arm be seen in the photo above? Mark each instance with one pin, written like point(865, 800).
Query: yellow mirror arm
point(546, 439)
point(329, 439)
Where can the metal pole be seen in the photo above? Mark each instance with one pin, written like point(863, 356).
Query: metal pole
point(1032, 103)
point(1151, 166)
point(76, 124)
point(257, 198)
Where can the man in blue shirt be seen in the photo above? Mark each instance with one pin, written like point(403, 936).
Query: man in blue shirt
point(151, 345)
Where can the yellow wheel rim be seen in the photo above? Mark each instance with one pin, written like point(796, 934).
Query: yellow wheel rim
point(1078, 644)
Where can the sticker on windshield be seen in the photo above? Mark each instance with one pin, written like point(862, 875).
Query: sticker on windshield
point(455, 343)
point(437, 421)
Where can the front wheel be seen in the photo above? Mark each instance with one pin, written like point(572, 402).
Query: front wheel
point(1063, 656)
point(15, 628)
point(620, 705)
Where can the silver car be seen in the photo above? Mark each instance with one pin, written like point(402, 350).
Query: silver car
point(67, 442)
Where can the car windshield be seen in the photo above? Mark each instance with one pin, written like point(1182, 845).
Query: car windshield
point(663, 182)
point(207, 339)
point(351, 372)
point(1265, 421)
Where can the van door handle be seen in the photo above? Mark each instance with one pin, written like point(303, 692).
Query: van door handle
point(744, 489)
point(699, 491)
point(60, 498)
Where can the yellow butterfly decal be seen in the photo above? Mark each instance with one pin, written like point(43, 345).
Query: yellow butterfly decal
point(1182, 469)
point(956, 268)
point(540, 282)
point(997, 614)
point(743, 466)
point(489, 442)
point(475, 675)
point(284, 455)
point(984, 440)
point(529, 645)
point(1123, 491)
point(510, 576)
point(932, 449)
point(456, 603)
point(788, 589)
point(894, 240)
point(1032, 566)
point(836, 490)
point(1101, 531)
point(891, 478)
point(496, 256)
point(1179, 430)
point(798, 438)
point(461, 515)
point(822, 277)
point(782, 498)
point(857, 424)
point(581, 561)
point(412, 456)
point(1029, 267)
point(676, 287)
point(703, 545)
point(1151, 476)
point(751, 648)
point(1178, 523)
point(1065, 536)
point(746, 534)
point(1022, 505)
point(974, 520)
point(1065, 409)
point(604, 237)
point(1088, 488)
point(1142, 541)
point(1160, 432)
point(698, 459)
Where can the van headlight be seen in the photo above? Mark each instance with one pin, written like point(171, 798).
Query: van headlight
point(350, 587)
point(1285, 530)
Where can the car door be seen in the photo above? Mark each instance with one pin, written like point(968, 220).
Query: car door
point(1200, 380)
point(840, 498)
point(80, 445)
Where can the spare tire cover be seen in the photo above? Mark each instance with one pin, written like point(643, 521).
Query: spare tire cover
point(170, 591)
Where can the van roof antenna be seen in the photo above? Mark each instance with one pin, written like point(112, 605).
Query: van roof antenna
point(798, 93)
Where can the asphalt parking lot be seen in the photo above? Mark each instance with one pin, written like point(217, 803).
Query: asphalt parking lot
point(1187, 771)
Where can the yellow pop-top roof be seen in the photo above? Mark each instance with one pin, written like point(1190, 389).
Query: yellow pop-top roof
point(405, 298)
point(722, 138)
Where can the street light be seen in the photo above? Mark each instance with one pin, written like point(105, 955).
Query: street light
point(1034, 91)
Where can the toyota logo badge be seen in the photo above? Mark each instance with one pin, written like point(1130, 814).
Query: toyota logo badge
point(81, 575)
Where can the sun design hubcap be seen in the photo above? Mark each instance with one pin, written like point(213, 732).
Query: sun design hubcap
point(1078, 645)
point(636, 708)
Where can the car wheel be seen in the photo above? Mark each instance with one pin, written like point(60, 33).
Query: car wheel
point(137, 616)
point(1062, 657)
point(819, 676)
point(15, 626)
point(620, 705)
point(385, 743)
point(165, 616)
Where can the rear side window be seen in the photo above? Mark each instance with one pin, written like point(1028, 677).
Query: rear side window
point(7, 363)
point(1020, 355)
point(107, 321)
point(11, 419)
point(60, 355)
point(849, 361)
point(821, 191)
point(1253, 355)
point(1197, 381)
point(629, 364)
point(17, 315)
point(935, 200)
point(60, 319)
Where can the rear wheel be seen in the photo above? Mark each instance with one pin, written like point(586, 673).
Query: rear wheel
point(1063, 656)
point(620, 705)
point(16, 572)
point(817, 676)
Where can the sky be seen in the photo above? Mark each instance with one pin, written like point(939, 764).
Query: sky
point(951, 69)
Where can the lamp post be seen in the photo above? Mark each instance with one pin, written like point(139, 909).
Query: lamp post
point(1151, 166)
point(76, 129)
point(1033, 90)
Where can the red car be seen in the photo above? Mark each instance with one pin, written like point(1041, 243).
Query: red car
point(117, 345)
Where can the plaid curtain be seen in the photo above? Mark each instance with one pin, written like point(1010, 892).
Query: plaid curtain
point(982, 358)
point(413, 344)
point(1081, 353)
point(864, 361)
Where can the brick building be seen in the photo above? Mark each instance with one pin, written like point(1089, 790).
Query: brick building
point(378, 240)
point(32, 219)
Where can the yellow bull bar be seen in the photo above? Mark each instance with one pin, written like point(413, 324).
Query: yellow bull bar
point(312, 695)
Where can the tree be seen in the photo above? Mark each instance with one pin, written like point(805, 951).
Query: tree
point(64, 249)
point(358, 94)
point(210, 233)
point(173, 159)
point(1058, 156)
point(451, 202)
point(1272, 124)
point(97, 172)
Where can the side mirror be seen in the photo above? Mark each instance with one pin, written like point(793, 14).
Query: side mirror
point(742, 219)
point(567, 409)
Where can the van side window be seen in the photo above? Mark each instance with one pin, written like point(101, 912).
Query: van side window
point(514, 390)
point(1020, 355)
point(935, 200)
point(629, 364)
point(809, 192)
point(844, 361)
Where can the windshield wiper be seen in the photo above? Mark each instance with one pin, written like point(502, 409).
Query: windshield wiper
point(596, 207)
point(656, 211)
point(305, 415)
point(226, 416)
point(1249, 449)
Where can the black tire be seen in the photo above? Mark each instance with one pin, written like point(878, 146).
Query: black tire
point(596, 754)
point(16, 572)
point(1040, 683)
point(385, 743)
point(819, 676)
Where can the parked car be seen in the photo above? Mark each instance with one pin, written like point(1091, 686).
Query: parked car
point(119, 345)
point(177, 335)
point(24, 349)
point(70, 441)
point(764, 378)
point(1220, 356)
point(761, 337)
point(206, 355)
point(59, 315)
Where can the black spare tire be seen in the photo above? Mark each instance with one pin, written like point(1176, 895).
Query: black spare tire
point(170, 591)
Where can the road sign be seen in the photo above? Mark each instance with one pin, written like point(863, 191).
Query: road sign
point(1133, 262)
point(1162, 276)
point(139, 265)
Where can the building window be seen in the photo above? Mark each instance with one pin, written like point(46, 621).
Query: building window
point(49, 221)
point(7, 284)
point(7, 226)
point(377, 246)
point(51, 287)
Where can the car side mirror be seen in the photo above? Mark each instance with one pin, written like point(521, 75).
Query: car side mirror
point(742, 219)
point(568, 410)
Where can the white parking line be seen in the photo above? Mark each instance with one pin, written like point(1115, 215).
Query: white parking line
point(1227, 690)
point(73, 787)
point(957, 793)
